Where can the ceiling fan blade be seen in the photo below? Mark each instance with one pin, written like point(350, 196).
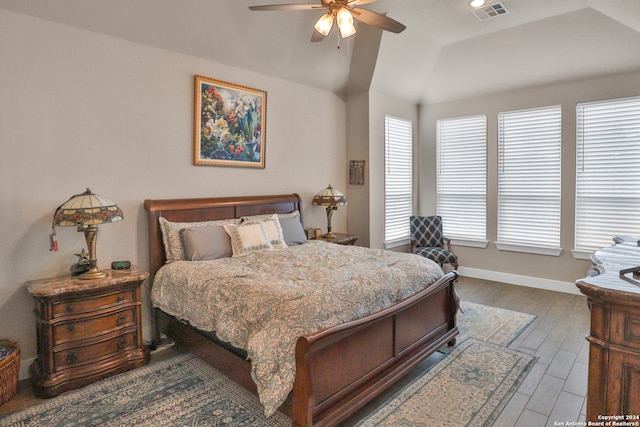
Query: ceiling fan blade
point(317, 37)
point(377, 20)
point(287, 7)
point(359, 2)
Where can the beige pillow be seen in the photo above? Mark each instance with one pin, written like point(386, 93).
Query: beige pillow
point(173, 247)
point(247, 238)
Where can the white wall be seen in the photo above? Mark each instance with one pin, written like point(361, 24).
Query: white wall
point(80, 109)
point(558, 272)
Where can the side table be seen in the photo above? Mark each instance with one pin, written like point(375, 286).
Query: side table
point(87, 330)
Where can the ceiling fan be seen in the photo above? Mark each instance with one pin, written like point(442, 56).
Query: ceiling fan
point(343, 12)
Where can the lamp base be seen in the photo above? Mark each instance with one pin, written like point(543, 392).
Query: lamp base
point(92, 274)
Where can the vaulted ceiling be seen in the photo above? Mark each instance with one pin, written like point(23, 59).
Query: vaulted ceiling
point(446, 53)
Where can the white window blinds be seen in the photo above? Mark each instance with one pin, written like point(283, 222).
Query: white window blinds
point(607, 172)
point(398, 179)
point(462, 177)
point(529, 178)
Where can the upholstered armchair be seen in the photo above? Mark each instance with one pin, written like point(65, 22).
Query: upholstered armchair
point(428, 240)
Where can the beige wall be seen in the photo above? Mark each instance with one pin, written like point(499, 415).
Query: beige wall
point(79, 109)
point(563, 268)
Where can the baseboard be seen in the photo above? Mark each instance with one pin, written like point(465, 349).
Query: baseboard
point(516, 279)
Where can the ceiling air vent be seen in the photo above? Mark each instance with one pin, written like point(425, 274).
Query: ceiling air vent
point(491, 11)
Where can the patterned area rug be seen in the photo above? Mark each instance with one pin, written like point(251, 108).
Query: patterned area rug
point(470, 385)
point(492, 324)
point(181, 391)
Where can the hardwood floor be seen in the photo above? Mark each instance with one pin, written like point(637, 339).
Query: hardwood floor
point(555, 388)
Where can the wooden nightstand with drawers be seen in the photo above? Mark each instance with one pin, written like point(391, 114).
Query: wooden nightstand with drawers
point(87, 330)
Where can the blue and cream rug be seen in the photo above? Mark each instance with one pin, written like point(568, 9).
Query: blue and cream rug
point(468, 387)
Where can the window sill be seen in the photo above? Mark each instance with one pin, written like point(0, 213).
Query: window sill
point(529, 249)
point(470, 243)
point(581, 254)
point(397, 243)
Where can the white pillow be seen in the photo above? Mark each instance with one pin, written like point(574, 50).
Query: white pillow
point(247, 238)
point(273, 228)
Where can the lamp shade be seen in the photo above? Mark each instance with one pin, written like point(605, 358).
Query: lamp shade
point(87, 209)
point(324, 24)
point(345, 23)
point(329, 197)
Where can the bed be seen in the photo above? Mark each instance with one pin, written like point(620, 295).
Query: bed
point(337, 369)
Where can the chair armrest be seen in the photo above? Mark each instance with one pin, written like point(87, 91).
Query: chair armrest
point(447, 242)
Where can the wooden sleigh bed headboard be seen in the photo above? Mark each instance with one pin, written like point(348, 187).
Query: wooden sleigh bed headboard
point(209, 209)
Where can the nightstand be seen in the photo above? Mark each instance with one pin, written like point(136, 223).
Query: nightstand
point(339, 238)
point(87, 330)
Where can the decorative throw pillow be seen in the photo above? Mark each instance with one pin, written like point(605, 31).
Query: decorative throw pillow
point(205, 243)
point(173, 247)
point(292, 230)
point(273, 228)
point(247, 238)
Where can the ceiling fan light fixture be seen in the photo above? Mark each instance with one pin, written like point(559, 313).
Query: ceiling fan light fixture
point(324, 24)
point(477, 3)
point(344, 20)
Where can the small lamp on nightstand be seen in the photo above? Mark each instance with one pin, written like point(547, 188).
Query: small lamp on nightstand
point(86, 211)
point(330, 198)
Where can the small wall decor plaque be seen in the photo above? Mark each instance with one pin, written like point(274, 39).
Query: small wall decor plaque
point(356, 172)
point(229, 124)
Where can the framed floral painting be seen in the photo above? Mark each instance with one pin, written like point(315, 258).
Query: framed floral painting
point(229, 124)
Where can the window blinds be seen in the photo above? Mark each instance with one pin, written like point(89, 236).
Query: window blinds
point(529, 177)
point(398, 179)
point(607, 172)
point(462, 176)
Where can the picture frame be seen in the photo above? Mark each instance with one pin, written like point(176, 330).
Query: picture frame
point(229, 124)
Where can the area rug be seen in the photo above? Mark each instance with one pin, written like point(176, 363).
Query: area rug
point(469, 387)
point(181, 391)
point(492, 324)
point(472, 383)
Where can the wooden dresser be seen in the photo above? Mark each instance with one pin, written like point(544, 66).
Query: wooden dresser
point(614, 353)
point(87, 329)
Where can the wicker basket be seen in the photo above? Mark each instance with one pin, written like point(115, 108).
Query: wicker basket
point(9, 368)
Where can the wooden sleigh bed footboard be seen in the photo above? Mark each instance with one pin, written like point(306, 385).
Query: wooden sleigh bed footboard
point(339, 369)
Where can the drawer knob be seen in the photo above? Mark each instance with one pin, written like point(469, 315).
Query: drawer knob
point(121, 344)
point(72, 358)
point(71, 328)
point(70, 308)
point(121, 320)
point(120, 298)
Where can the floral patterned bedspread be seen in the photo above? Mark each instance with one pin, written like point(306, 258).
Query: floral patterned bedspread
point(264, 301)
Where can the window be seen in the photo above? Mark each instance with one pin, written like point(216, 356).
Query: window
point(529, 180)
point(462, 179)
point(398, 180)
point(607, 172)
